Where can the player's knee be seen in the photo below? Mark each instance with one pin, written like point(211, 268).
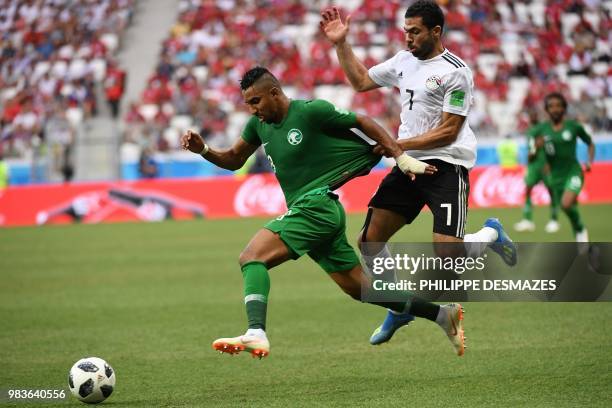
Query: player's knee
point(246, 256)
point(371, 234)
point(360, 239)
point(449, 249)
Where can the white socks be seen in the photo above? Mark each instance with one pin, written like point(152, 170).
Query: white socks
point(442, 318)
point(259, 333)
point(476, 243)
point(368, 260)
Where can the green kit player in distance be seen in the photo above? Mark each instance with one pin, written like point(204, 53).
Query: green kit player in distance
point(537, 170)
point(559, 137)
point(312, 150)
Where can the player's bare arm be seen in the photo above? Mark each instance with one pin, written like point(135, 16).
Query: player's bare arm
point(538, 143)
point(443, 135)
point(230, 159)
point(375, 132)
point(335, 31)
point(589, 163)
point(392, 148)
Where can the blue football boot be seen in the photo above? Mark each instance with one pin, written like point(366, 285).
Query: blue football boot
point(392, 322)
point(503, 246)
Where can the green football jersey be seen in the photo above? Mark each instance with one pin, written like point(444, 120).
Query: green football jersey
point(560, 146)
point(312, 147)
point(540, 157)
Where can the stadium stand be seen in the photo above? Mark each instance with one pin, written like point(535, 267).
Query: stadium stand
point(58, 50)
point(54, 57)
point(518, 51)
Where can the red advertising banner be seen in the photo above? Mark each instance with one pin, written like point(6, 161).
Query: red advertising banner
point(257, 195)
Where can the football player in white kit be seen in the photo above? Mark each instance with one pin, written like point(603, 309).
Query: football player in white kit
point(436, 91)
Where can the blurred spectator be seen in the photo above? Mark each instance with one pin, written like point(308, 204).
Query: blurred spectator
point(114, 86)
point(67, 168)
point(60, 135)
point(581, 60)
point(518, 53)
point(53, 51)
point(507, 152)
point(147, 165)
point(4, 172)
point(591, 111)
point(261, 163)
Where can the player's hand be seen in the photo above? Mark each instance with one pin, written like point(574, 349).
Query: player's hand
point(530, 157)
point(539, 142)
point(192, 141)
point(380, 149)
point(332, 26)
point(429, 170)
point(587, 167)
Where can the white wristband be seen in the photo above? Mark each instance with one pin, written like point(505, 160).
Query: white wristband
point(409, 164)
point(205, 150)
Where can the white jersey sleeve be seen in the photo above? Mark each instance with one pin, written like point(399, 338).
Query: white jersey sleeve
point(458, 95)
point(385, 73)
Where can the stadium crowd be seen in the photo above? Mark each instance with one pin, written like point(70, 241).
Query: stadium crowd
point(54, 54)
point(518, 52)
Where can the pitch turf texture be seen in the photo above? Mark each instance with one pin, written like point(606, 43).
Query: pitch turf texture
point(150, 299)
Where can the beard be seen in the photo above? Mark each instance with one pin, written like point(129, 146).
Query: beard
point(557, 117)
point(424, 50)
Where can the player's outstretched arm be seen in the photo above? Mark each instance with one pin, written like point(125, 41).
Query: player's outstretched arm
point(589, 163)
point(588, 139)
point(538, 144)
point(336, 31)
point(389, 147)
point(230, 159)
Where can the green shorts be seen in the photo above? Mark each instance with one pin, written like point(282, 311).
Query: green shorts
point(315, 225)
point(535, 173)
point(571, 180)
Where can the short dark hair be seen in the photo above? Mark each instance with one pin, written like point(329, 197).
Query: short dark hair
point(253, 75)
point(555, 95)
point(429, 11)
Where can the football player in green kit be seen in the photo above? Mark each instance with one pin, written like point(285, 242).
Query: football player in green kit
point(558, 137)
point(537, 170)
point(312, 150)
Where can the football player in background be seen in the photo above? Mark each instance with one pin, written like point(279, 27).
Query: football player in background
point(558, 137)
point(537, 170)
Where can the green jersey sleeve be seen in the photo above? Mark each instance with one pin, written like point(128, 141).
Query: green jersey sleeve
point(582, 134)
point(532, 133)
point(329, 116)
point(249, 134)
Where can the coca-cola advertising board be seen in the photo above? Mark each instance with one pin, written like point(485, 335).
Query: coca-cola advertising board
point(257, 195)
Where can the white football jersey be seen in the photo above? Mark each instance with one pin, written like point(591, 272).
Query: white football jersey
point(428, 88)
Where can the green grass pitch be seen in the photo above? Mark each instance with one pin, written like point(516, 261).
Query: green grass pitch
point(150, 299)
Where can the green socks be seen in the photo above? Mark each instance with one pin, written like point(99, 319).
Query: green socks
point(554, 200)
point(574, 217)
point(528, 209)
point(256, 290)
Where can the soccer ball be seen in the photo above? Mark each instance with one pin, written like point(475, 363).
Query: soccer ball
point(91, 380)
